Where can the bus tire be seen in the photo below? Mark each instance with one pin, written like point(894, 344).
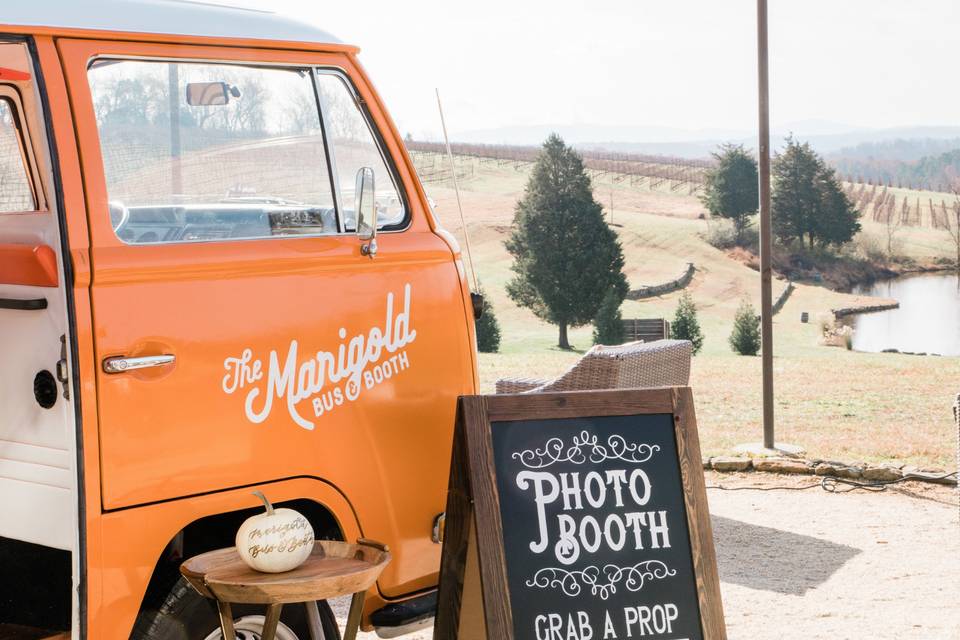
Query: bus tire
point(186, 615)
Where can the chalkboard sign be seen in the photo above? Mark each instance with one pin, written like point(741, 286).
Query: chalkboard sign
point(578, 516)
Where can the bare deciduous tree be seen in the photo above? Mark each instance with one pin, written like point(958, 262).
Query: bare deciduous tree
point(893, 222)
point(952, 222)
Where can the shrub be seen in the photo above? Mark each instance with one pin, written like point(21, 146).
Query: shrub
point(745, 338)
point(685, 325)
point(869, 247)
point(723, 234)
point(488, 329)
point(608, 325)
point(720, 234)
point(834, 333)
point(825, 322)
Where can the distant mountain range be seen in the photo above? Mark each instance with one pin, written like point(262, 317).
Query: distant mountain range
point(591, 134)
point(828, 138)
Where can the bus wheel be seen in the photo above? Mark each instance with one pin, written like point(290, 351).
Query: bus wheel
point(186, 615)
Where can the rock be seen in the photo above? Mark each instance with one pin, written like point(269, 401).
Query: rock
point(782, 465)
point(829, 469)
point(729, 463)
point(883, 473)
point(852, 473)
point(837, 469)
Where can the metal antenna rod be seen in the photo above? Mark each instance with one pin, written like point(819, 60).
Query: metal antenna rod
point(456, 188)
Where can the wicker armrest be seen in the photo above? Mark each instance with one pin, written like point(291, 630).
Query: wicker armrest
point(518, 385)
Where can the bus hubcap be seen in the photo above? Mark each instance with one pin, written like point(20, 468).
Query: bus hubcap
point(251, 628)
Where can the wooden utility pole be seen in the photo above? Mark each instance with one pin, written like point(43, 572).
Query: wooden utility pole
point(766, 232)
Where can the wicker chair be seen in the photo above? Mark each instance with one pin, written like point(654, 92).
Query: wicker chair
point(662, 363)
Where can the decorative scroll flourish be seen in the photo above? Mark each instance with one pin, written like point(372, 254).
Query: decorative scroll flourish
point(585, 447)
point(602, 583)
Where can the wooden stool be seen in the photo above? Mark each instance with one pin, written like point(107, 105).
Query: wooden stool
point(333, 569)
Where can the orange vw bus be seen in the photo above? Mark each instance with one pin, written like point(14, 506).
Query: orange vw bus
point(218, 273)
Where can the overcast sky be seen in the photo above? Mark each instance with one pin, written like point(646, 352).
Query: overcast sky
point(684, 64)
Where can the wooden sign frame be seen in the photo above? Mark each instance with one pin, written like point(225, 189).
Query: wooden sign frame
point(474, 600)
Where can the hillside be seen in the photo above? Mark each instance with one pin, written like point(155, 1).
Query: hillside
point(824, 136)
point(623, 176)
point(828, 398)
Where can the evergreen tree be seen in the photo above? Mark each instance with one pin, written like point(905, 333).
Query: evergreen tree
point(488, 329)
point(795, 199)
point(840, 219)
point(808, 203)
point(745, 338)
point(608, 325)
point(731, 188)
point(566, 258)
point(685, 325)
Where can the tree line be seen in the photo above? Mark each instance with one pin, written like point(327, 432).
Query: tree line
point(935, 172)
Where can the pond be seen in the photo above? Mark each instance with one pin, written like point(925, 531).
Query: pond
point(928, 320)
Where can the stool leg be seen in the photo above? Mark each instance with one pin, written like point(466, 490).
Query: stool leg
point(271, 621)
point(226, 620)
point(356, 613)
point(313, 620)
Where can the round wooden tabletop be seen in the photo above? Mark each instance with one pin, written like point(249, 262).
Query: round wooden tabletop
point(333, 569)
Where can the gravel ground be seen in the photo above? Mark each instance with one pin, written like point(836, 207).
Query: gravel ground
point(809, 564)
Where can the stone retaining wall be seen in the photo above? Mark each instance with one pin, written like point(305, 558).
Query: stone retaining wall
point(660, 289)
point(782, 300)
point(854, 471)
point(849, 311)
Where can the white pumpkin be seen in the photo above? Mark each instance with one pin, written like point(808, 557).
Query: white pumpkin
point(275, 541)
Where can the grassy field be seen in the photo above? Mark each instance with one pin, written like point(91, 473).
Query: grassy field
point(837, 404)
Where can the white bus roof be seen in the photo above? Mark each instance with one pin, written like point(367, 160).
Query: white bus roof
point(168, 17)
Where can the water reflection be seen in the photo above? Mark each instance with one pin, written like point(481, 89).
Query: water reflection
point(928, 320)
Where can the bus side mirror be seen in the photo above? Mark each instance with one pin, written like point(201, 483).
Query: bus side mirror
point(366, 208)
point(210, 94)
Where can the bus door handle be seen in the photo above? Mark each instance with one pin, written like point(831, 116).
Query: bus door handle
point(119, 364)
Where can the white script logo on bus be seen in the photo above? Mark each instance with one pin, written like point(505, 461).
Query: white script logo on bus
point(328, 378)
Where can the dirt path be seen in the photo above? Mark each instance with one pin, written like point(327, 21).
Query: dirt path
point(797, 565)
point(809, 564)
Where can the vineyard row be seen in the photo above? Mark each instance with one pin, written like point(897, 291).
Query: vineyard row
point(640, 169)
point(881, 205)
